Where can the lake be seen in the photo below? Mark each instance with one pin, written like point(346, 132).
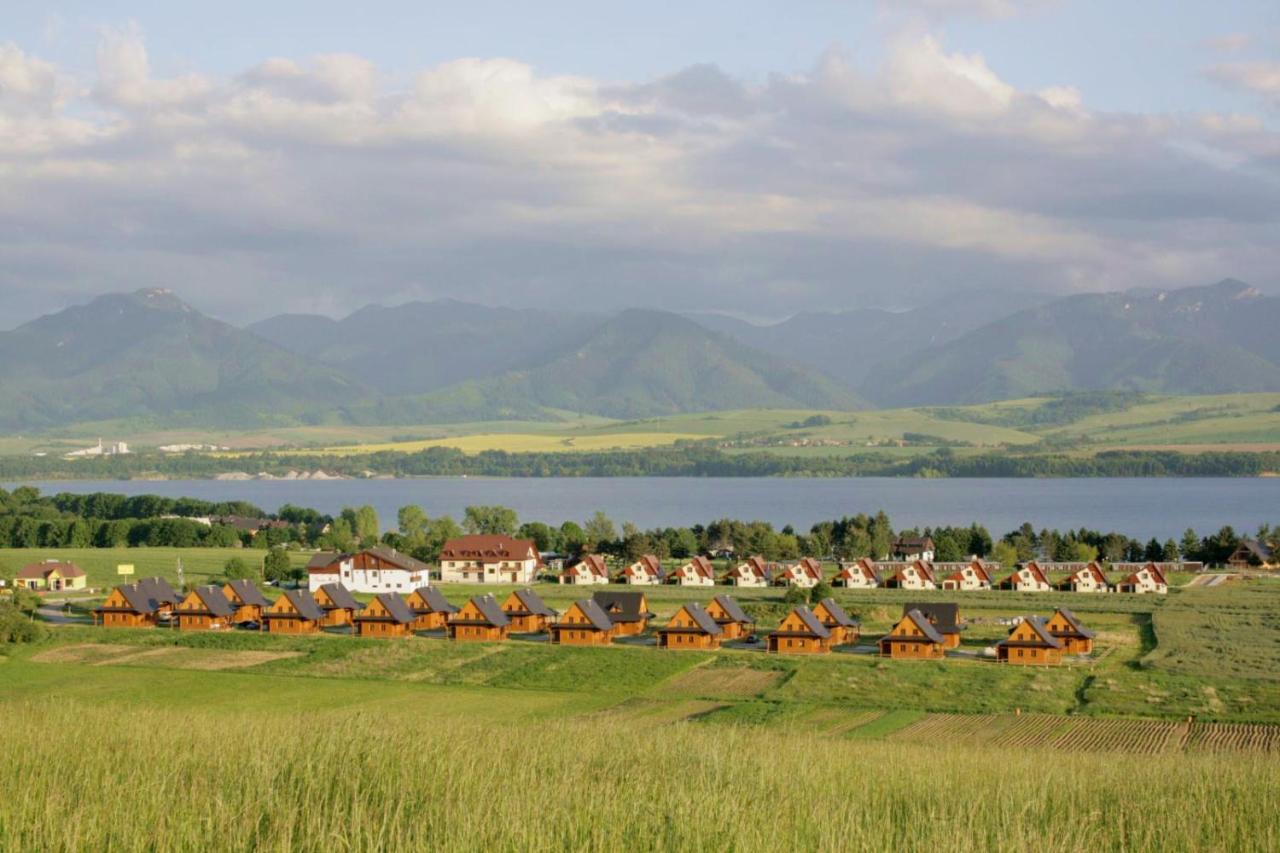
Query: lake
point(1160, 507)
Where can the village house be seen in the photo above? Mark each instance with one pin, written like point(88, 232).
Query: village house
point(973, 575)
point(527, 612)
point(1250, 553)
point(943, 616)
point(916, 575)
point(646, 571)
point(1090, 578)
point(483, 558)
point(799, 633)
point(205, 608)
point(751, 572)
point(913, 638)
point(387, 615)
point(805, 574)
point(247, 599)
point(51, 576)
point(591, 569)
point(479, 620)
point(696, 572)
point(431, 610)
point(862, 573)
point(133, 605)
point(1148, 579)
point(371, 570)
point(844, 628)
point(628, 611)
point(1075, 638)
point(1029, 577)
point(1030, 644)
point(734, 623)
point(691, 627)
point(911, 548)
point(339, 605)
point(294, 612)
point(584, 624)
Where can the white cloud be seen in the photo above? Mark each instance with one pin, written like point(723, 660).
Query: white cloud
point(124, 74)
point(1260, 77)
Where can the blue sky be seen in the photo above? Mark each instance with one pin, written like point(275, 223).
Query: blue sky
point(741, 156)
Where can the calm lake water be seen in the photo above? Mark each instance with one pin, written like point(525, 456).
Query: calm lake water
point(1137, 507)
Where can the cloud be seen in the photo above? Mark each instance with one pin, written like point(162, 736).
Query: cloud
point(1259, 77)
point(1229, 42)
point(323, 183)
point(984, 8)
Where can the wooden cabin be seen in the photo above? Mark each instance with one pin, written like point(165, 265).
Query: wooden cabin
point(1029, 577)
point(528, 613)
point(339, 605)
point(696, 572)
point(591, 569)
point(916, 575)
point(646, 571)
point(166, 596)
point(844, 628)
point(628, 611)
point(205, 608)
point(479, 620)
point(247, 599)
point(584, 624)
point(691, 627)
point(431, 610)
point(1148, 579)
point(943, 616)
point(1075, 638)
point(1088, 578)
point(800, 633)
point(752, 572)
point(734, 623)
point(1030, 644)
point(974, 575)
point(862, 573)
point(913, 638)
point(388, 615)
point(1250, 553)
point(128, 606)
point(294, 612)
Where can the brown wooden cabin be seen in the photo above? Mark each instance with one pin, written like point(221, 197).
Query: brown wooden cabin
point(339, 605)
point(734, 623)
point(913, 638)
point(527, 612)
point(165, 596)
point(247, 599)
point(844, 628)
point(944, 617)
point(388, 615)
point(1075, 638)
point(800, 633)
point(479, 620)
point(294, 612)
point(431, 610)
point(584, 624)
point(129, 605)
point(628, 611)
point(1030, 644)
point(690, 628)
point(205, 609)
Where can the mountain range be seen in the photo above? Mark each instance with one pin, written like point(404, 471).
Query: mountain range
point(149, 356)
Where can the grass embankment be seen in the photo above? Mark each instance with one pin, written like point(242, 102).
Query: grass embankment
point(426, 778)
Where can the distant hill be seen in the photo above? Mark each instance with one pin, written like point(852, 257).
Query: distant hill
point(848, 345)
point(150, 355)
point(1216, 339)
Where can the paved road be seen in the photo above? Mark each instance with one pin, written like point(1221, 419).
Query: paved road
point(51, 612)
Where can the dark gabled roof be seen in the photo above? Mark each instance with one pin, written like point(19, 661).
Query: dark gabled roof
point(1074, 622)
point(304, 603)
point(341, 597)
point(922, 622)
point(732, 608)
point(214, 600)
point(398, 559)
point(595, 614)
point(810, 621)
point(1254, 547)
point(837, 612)
point(160, 589)
point(435, 600)
point(139, 598)
point(491, 610)
point(1041, 628)
point(324, 559)
point(42, 570)
point(395, 606)
point(621, 606)
point(700, 617)
point(533, 603)
point(247, 591)
point(945, 616)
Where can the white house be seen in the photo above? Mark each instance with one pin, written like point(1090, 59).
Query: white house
point(1089, 578)
point(973, 575)
point(863, 573)
point(910, 548)
point(591, 569)
point(805, 574)
point(918, 574)
point(751, 572)
point(1148, 579)
point(484, 558)
point(696, 572)
point(372, 570)
point(646, 571)
point(1029, 577)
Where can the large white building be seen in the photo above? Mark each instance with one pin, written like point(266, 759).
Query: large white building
point(372, 570)
point(484, 558)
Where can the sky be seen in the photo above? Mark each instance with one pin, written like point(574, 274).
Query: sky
point(752, 157)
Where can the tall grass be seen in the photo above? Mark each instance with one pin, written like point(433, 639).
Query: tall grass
point(79, 777)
